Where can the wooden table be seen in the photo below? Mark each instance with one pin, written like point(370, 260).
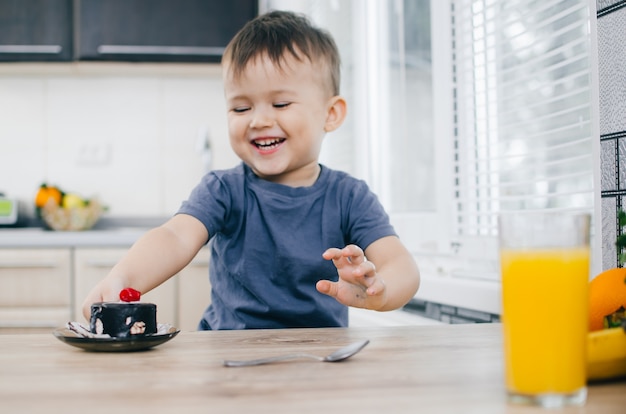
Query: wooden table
point(418, 369)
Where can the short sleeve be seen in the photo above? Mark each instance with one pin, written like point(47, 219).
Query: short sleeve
point(366, 220)
point(210, 202)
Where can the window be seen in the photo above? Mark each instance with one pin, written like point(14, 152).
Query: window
point(394, 63)
point(523, 111)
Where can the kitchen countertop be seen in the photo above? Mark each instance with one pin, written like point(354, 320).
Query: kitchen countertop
point(108, 232)
point(29, 237)
point(408, 369)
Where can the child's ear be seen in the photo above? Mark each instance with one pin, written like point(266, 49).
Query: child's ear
point(337, 110)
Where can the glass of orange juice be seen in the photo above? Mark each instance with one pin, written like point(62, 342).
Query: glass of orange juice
point(544, 262)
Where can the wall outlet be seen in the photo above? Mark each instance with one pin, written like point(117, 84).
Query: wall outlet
point(94, 154)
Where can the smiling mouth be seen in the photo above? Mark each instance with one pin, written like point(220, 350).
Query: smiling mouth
point(268, 144)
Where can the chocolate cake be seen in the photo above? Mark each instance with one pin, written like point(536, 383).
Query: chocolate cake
point(123, 319)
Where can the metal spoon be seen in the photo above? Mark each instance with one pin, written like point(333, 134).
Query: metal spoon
point(339, 355)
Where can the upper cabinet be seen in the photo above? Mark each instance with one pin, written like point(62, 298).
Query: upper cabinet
point(120, 30)
point(159, 30)
point(36, 30)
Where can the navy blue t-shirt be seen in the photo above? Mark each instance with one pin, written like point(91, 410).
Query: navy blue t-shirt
point(267, 241)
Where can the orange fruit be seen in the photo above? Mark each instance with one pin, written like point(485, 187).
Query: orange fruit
point(607, 295)
point(45, 193)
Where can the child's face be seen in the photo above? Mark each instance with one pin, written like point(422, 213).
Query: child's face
point(278, 116)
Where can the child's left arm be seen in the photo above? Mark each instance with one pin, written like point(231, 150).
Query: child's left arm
point(383, 278)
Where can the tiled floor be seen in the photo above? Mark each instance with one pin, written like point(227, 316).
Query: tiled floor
point(363, 317)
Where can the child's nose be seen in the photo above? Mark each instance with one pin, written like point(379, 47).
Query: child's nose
point(261, 119)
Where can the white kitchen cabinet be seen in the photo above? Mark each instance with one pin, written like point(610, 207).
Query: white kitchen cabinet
point(194, 291)
point(45, 277)
point(35, 286)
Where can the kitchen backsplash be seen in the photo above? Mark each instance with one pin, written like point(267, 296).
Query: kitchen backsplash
point(129, 134)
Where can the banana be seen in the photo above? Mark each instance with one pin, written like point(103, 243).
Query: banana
point(606, 354)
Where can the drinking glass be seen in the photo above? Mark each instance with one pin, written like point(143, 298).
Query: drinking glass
point(544, 261)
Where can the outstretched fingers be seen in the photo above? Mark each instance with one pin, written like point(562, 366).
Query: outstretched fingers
point(349, 255)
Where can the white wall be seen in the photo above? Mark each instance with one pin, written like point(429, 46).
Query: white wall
point(126, 133)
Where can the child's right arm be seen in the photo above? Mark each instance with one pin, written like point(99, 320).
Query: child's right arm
point(155, 257)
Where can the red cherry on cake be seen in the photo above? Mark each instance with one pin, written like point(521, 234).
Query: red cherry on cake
point(130, 295)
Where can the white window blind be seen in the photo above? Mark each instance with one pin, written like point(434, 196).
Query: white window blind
point(523, 109)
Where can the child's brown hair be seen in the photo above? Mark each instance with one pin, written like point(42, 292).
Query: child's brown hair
point(277, 32)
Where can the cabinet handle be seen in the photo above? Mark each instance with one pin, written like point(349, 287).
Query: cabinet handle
point(159, 50)
point(29, 324)
point(101, 263)
point(42, 49)
point(44, 265)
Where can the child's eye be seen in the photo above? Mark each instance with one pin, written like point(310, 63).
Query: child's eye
point(281, 104)
point(241, 109)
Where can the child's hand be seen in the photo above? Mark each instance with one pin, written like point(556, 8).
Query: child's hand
point(103, 292)
point(358, 284)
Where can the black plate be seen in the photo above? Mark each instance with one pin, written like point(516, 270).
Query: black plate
point(138, 343)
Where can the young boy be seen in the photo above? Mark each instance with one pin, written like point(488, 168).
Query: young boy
point(289, 237)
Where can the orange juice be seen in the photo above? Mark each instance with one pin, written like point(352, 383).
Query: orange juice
point(544, 316)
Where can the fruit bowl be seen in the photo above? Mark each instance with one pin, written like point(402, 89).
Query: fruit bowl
point(75, 218)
